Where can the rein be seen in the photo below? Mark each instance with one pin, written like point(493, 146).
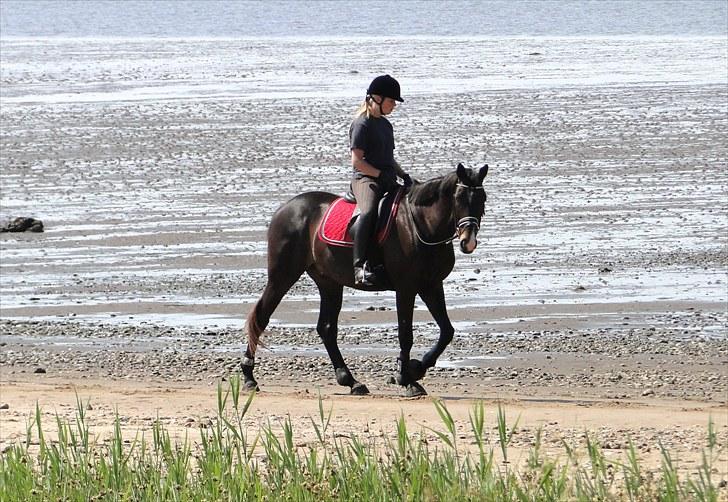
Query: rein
point(462, 222)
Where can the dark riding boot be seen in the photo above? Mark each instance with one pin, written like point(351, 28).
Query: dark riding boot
point(363, 274)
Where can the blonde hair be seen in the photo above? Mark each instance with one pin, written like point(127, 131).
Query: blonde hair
point(363, 108)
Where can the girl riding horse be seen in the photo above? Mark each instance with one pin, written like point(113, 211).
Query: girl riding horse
point(371, 139)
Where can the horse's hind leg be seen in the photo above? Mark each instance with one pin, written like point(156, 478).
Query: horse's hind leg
point(328, 327)
point(258, 320)
point(282, 275)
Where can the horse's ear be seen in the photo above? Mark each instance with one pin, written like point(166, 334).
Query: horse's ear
point(462, 175)
point(481, 174)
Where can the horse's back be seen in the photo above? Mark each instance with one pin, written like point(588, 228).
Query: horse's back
point(296, 217)
point(305, 206)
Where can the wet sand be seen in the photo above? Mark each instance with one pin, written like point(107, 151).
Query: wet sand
point(595, 301)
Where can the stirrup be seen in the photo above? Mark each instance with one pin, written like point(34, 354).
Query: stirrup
point(363, 276)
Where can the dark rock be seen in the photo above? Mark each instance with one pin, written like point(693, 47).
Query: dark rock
point(40, 370)
point(23, 224)
point(4, 406)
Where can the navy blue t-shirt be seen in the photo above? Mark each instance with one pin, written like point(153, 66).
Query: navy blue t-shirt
point(376, 137)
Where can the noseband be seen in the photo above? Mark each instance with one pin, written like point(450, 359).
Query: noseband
point(468, 221)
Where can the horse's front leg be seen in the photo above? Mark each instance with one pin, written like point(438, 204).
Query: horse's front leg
point(405, 306)
point(327, 327)
point(434, 298)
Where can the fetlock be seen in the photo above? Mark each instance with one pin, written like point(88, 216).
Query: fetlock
point(403, 377)
point(247, 367)
point(343, 377)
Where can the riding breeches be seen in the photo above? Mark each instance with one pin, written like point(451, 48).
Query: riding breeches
point(367, 193)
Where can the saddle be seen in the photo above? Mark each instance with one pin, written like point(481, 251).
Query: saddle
point(340, 216)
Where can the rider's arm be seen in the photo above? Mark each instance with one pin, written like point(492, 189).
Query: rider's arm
point(398, 169)
point(361, 165)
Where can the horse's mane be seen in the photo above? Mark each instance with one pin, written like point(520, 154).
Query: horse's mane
point(429, 192)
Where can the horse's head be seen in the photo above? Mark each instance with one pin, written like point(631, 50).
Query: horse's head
point(469, 205)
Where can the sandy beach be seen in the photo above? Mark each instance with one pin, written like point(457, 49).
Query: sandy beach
point(594, 304)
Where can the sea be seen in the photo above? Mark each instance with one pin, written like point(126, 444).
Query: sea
point(360, 18)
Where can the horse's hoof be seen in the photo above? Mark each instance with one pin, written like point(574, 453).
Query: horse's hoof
point(251, 386)
point(359, 389)
point(415, 390)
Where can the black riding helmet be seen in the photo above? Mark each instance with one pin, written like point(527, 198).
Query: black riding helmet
point(386, 86)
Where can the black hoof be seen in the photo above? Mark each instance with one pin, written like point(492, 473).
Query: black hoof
point(359, 389)
point(415, 390)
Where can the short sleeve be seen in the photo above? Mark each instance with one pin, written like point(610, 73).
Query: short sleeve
point(358, 134)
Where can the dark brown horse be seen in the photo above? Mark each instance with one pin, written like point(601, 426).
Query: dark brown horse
point(417, 256)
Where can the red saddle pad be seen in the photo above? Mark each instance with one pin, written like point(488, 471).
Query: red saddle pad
point(334, 228)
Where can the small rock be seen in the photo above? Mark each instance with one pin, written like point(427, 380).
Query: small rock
point(4, 406)
point(648, 392)
point(39, 370)
point(22, 224)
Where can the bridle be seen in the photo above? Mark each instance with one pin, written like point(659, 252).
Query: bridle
point(467, 221)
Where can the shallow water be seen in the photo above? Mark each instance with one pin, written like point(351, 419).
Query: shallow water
point(156, 165)
point(286, 18)
point(64, 72)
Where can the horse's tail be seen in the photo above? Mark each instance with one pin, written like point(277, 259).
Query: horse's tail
point(254, 331)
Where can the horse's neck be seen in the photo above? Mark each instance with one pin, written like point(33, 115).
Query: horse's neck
point(435, 220)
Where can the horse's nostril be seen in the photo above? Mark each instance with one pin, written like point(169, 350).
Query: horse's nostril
point(467, 246)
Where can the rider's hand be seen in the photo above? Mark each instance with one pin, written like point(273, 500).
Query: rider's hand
point(407, 180)
point(387, 179)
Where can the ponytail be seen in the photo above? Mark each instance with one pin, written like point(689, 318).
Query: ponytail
point(363, 108)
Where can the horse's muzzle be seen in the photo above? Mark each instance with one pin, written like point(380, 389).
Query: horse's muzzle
point(468, 243)
point(467, 234)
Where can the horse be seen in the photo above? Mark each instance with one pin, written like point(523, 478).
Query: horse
point(417, 256)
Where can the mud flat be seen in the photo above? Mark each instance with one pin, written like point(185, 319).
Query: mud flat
point(596, 300)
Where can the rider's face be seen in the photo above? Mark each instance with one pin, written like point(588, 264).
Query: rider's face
point(384, 106)
point(388, 105)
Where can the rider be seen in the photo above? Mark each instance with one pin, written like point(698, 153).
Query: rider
point(371, 139)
